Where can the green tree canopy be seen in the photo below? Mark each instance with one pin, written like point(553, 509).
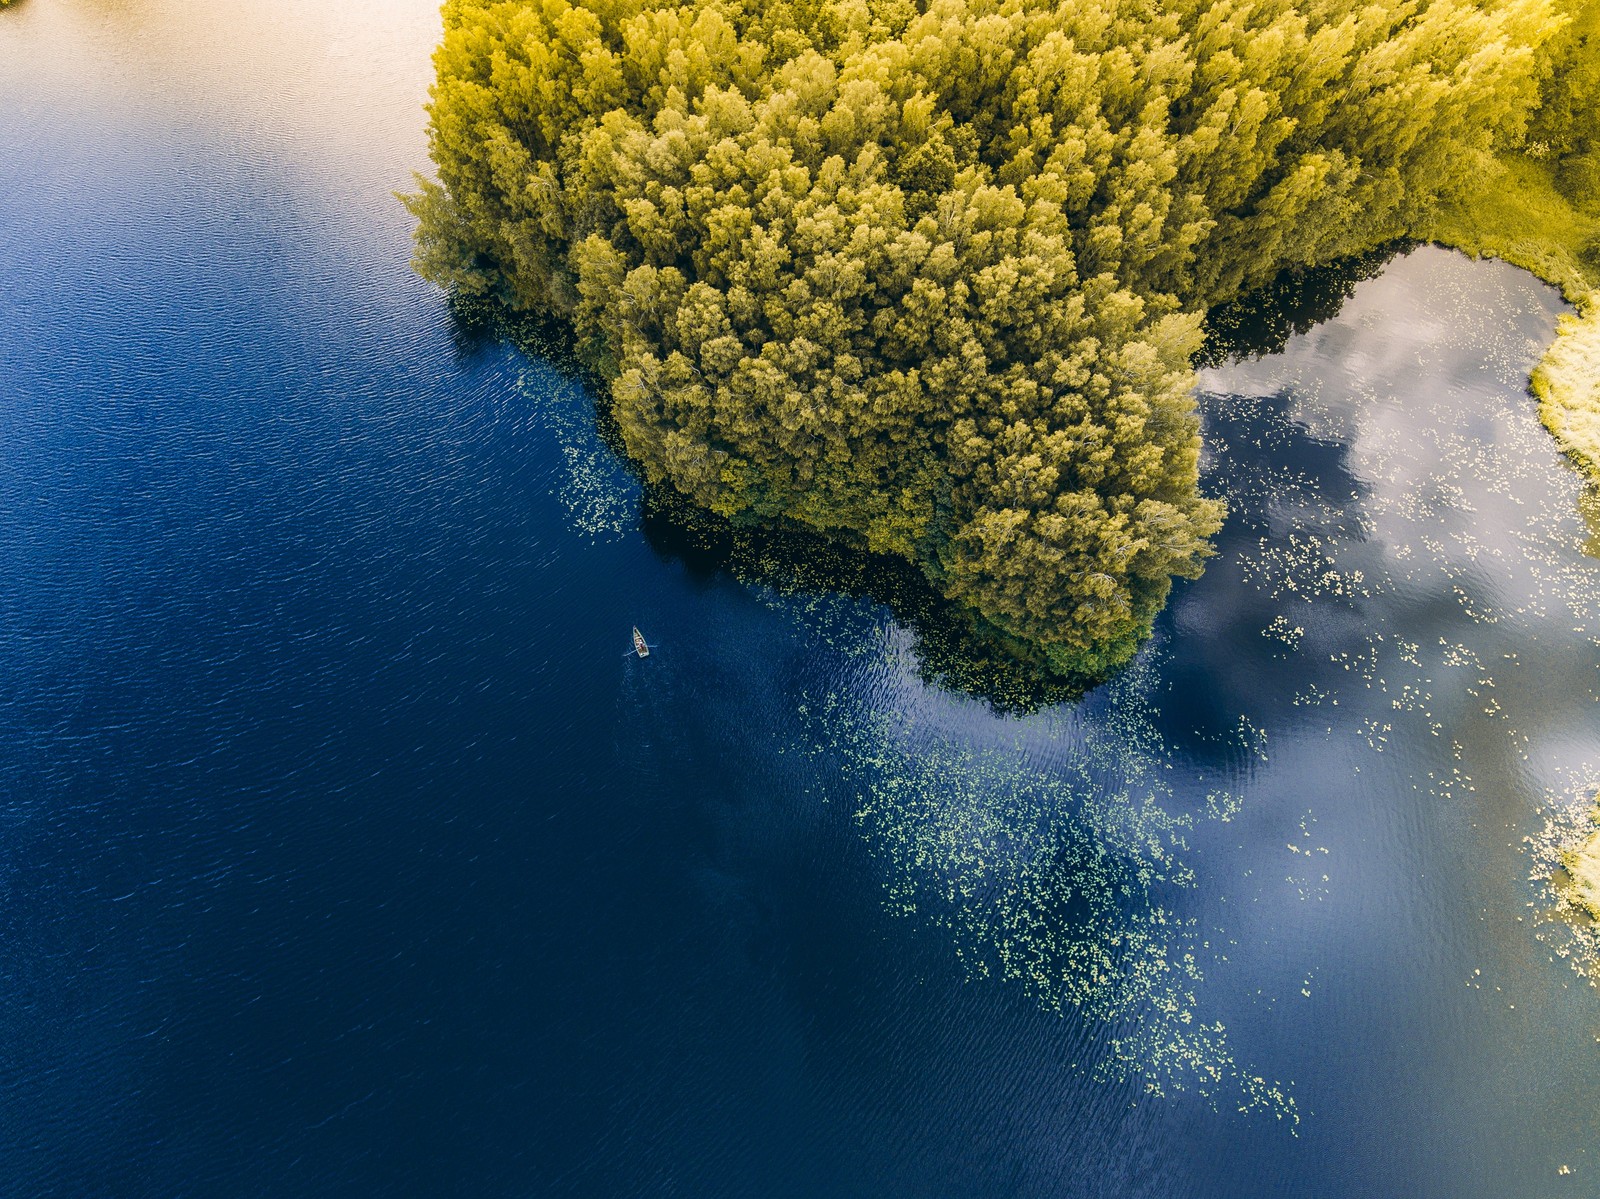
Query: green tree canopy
point(929, 274)
point(1567, 123)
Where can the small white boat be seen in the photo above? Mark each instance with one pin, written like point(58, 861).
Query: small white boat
point(639, 646)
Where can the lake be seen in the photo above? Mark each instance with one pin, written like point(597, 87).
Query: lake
point(344, 851)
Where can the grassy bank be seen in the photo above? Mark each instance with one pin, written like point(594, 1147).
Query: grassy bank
point(1519, 212)
point(1567, 384)
point(1581, 865)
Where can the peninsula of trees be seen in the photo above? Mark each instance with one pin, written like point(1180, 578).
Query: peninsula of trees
point(928, 275)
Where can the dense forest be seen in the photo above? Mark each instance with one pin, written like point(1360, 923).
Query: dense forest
point(929, 275)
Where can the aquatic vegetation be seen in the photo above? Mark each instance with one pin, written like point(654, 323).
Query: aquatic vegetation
point(1417, 495)
point(1567, 384)
point(1054, 879)
point(1581, 865)
point(599, 492)
point(600, 495)
point(1455, 505)
point(1565, 871)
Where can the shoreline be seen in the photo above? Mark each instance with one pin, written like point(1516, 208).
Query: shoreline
point(1580, 863)
point(1520, 215)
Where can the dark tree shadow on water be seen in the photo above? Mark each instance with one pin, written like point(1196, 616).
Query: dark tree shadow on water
point(953, 649)
point(952, 646)
point(1262, 321)
point(479, 322)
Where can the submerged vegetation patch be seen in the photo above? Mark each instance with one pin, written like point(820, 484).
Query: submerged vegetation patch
point(1059, 880)
point(1580, 864)
point(1567, 383)
point(1454, 506)
point(927, 278)
point(1566, 872)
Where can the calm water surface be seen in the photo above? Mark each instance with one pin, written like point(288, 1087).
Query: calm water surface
point(343, 852)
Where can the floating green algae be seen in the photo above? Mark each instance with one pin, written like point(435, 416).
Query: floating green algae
point(1061, 879)
point(598, 492)
point(1456, 505)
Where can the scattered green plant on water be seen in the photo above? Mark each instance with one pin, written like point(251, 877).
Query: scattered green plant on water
point(1589, 510)
point(1566, 870)
point(1438, 502)
point(927, 277)
point(598, 490)
point(600, 495)
point(1058, 880)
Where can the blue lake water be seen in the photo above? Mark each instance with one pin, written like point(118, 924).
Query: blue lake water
point(344, 853)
